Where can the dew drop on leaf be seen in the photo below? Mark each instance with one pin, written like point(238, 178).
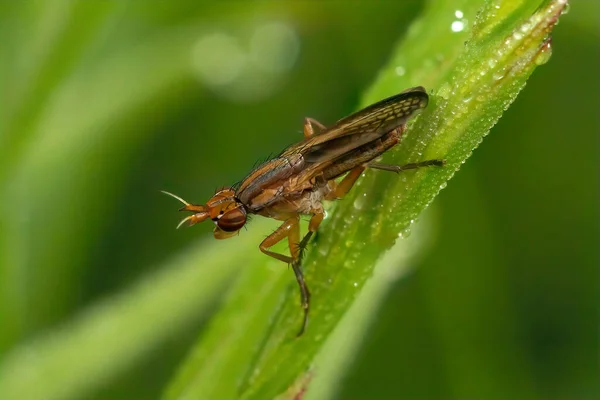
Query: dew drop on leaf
point(405, 233)
point(359, 203)
point(544, 54)
point(444, 91)
point(498, 75)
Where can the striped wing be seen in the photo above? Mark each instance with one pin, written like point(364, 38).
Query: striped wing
point(361, 127)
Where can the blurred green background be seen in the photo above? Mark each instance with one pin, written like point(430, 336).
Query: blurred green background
point(106, 103)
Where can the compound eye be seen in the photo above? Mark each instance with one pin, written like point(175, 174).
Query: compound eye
point(232, 220)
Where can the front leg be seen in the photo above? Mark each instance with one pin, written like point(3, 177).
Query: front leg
point(290, 229)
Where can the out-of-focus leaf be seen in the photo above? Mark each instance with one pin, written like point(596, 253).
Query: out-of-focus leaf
point(111, 336)
point(85, 122)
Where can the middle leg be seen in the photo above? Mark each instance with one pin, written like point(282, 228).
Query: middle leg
point(298, 251)
point(290, 229)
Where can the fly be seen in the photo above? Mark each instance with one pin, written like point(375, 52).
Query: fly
point(297, 181)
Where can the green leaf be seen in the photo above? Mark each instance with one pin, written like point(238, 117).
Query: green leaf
point(474, 72)
point(119, 331)
point(341, 346)
point(34, 162)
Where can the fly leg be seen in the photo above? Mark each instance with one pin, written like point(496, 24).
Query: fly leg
point(400, 168)
point(290, 229)
point(313, 226)
point(309, 124)
point(393, 139)
point(297, 250)
point(342, 188)
point(285, 230)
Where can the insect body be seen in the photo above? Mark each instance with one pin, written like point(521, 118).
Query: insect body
point(297, 181)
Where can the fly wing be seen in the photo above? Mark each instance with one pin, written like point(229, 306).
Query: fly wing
point(361, 127)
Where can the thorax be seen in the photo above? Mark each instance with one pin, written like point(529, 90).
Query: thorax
point(287, 203)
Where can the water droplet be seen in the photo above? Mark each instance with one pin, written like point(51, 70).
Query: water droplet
point(517, 35)
point(566, 9)
point(323, 249)
point(359, 203)
point(544, 54)
point(492, 62)
point(526, 27)
point(405, 233)
point(349, 218)
point(443, 185)
point(457, 26)
point(498, 75)
point(444, 91)
point(400, 70)
point(355, 284)
point(458, 14)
